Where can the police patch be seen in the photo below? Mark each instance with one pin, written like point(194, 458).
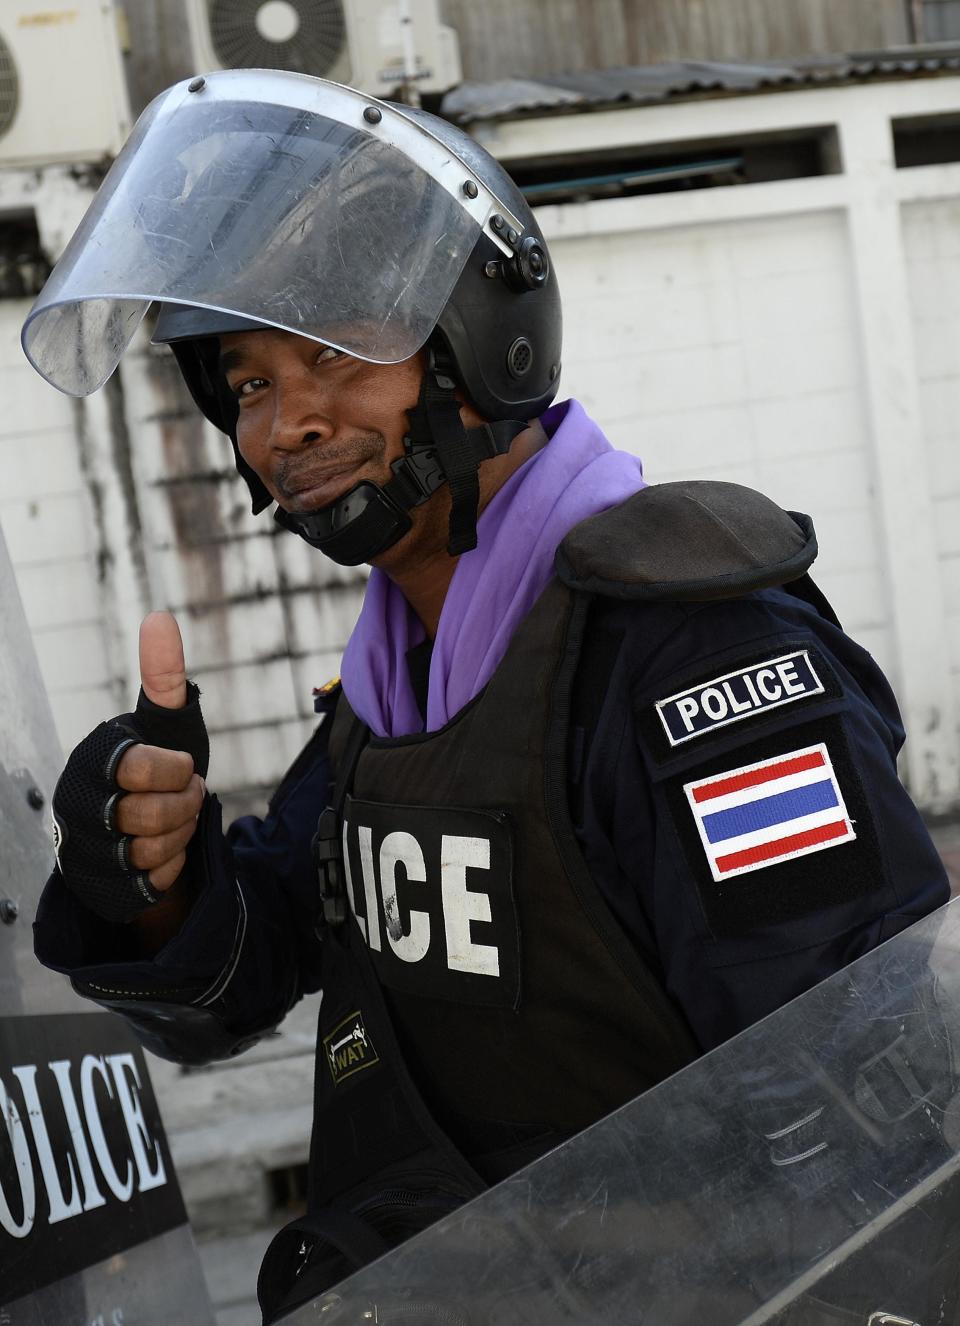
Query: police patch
point(717, 703)
point(348, 1048)
point(772, 811)
point(432, 890)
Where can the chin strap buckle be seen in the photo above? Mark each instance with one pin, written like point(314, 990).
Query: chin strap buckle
point(325, 848)
point(435, 423)
point(439, 444)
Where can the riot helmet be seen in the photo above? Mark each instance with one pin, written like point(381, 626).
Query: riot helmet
point(251, 199)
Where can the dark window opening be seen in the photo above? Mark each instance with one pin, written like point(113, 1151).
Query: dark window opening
point(671, 168)
point(288, 1189)
point(930, 140)
point(23, 264)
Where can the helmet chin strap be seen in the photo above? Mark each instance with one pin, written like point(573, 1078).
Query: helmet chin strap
point(437, 450)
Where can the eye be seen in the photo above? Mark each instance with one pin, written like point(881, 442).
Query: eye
point(249, 386)
point(328, 354)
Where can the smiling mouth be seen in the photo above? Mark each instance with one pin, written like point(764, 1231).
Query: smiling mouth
point(320, 487)
point(312, 486)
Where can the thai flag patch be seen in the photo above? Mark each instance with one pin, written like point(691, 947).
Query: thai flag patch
point(773, 811)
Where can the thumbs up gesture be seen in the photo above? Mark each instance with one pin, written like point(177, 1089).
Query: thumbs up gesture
point(126, 806)
point(165, 789)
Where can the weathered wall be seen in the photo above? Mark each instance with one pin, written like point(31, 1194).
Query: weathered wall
point(128, 501)
point(932, 240)
point(159, 52)
point(731, 351)
point(53, 529)
point(797, 336)
point(500, 38)
point(531, 38)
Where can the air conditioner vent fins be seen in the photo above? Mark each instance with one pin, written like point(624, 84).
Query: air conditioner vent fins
point(303, 36)
point(9, 88)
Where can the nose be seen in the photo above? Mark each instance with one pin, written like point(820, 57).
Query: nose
point(302, 411)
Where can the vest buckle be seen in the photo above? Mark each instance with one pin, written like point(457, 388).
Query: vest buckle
point(325, 848)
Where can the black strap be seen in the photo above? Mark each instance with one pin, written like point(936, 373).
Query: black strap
point(435, 424)
point(325, 846)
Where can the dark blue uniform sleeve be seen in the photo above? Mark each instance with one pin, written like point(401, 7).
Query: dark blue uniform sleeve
point(247, 951)
point(739, 804)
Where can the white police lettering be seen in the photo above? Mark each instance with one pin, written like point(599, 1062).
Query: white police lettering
point(402, 849)
point(124, 1070)
point(437, 905)
point(92, 1196)
point(391, 893)
point(370, 888)
point(21, 1158)
point(122, 1189)
point(73, 1160)
point(462, 905)
point(716, 703)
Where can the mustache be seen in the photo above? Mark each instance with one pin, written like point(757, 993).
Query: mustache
point(301, 470)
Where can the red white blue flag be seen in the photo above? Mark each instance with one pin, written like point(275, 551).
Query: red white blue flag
point(772, 811)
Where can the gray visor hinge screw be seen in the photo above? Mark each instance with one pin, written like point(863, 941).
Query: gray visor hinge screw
point(35, 798)
point(470, 189)
point(491, 269)
point(197, 85)
point(372, 114)
point(9, 911)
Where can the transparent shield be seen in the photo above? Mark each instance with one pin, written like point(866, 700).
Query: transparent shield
point(806, 1173)
point(92, 1223)
point(270, 196)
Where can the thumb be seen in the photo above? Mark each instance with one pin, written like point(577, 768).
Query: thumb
point(163, 673)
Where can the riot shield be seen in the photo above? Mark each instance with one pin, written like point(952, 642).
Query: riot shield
point(93, 1230)
point(805, 1174)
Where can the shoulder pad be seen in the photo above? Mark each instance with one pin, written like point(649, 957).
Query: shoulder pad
point(696, 540)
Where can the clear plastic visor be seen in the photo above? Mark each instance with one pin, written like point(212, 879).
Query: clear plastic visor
point(268, 196)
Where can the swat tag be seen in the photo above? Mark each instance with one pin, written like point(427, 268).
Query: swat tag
point(432, 891)
point(348, 1048)
point(738, 695)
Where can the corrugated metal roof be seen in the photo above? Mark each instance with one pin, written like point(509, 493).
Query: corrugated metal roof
point(510, 98)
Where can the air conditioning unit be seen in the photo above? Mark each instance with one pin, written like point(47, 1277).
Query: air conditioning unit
point(63, 95)
point(358, 42)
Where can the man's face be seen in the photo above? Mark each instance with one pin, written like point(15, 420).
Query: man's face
point(313, 422)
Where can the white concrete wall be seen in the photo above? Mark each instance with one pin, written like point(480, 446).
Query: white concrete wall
point(49, 521)
point(932, 241)
point(798, 336)
point(730, 351)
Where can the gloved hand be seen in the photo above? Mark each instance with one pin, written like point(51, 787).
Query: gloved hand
point(126, 805)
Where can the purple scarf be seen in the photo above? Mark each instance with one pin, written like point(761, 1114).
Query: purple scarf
point(576, 475)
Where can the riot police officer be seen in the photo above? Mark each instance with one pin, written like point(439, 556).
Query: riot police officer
point(605, 781)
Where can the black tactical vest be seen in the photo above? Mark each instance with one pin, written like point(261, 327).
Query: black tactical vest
point(481, 993)
point(516, 996)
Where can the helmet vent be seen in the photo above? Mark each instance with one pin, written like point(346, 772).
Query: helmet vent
point(519, 358)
